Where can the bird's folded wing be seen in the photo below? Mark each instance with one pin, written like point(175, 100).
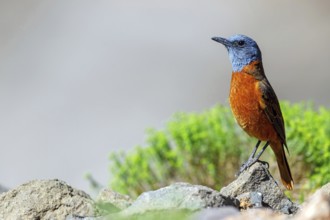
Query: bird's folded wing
point(272, 109)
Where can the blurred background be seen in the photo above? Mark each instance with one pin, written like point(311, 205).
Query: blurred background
point(80, 79)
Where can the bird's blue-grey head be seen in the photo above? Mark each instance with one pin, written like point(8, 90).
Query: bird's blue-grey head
point(242, 50)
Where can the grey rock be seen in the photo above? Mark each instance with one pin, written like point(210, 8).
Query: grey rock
point(256, 199)
point(215, 213)
point(44, 199)
point(118, 200)
point(179, 196)
point(258, 179)
point(318, 207)
point(76, 217)
point(250, 200)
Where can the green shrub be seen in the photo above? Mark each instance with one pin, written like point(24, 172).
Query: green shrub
point(308, 135)
point(207, 148)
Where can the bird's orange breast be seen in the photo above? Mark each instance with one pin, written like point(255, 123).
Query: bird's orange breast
point(248, 107)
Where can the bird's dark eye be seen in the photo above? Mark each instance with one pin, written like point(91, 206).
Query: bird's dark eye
point(241, 43)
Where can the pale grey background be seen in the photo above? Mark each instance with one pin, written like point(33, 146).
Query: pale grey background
point(79, 78)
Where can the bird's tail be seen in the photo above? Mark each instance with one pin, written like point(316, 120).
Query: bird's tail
point(283, 165)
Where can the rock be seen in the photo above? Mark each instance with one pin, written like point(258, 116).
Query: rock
point(178, 196)
point(258, 179)
point(325, 189)
point(317, 208)
point(75, 217)
point(44, 199)
point(262, 214)
point(215, 213)
point(118, 200)
point(250, 200)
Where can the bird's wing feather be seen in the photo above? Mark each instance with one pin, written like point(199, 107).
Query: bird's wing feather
point(272, 109)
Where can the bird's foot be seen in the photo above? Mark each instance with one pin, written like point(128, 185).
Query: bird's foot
point(245, 166)
point(249, 163)
point(264, 163)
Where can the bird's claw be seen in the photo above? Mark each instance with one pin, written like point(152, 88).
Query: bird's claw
point(264, 163)
point(249, 163)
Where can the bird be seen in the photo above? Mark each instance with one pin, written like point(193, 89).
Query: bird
point(254, 103)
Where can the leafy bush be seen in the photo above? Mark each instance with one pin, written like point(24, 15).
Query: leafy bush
point(308, 134)
point(207, 148)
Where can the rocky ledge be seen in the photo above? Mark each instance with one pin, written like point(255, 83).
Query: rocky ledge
point(254, 194)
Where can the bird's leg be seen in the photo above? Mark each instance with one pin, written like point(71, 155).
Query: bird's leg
point(254, 150)
point(262, 150)
point(252, 159)
point(248, 162)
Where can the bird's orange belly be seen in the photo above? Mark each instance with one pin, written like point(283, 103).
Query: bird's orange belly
point(245, 101)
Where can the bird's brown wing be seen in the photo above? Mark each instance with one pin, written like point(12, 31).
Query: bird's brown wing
point(272, 109)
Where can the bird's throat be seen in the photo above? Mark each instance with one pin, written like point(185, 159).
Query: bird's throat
point(254, 69)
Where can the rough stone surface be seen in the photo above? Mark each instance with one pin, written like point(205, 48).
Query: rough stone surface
point(258, 179)
point(254, 190)
point(118, 200)
point(44, 199)
point(250, 200)
point(179, 196)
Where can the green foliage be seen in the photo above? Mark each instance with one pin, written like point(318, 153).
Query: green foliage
point(308, 134)
point(207, 148)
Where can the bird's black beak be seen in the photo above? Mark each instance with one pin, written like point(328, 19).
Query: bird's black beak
point(223, 41)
